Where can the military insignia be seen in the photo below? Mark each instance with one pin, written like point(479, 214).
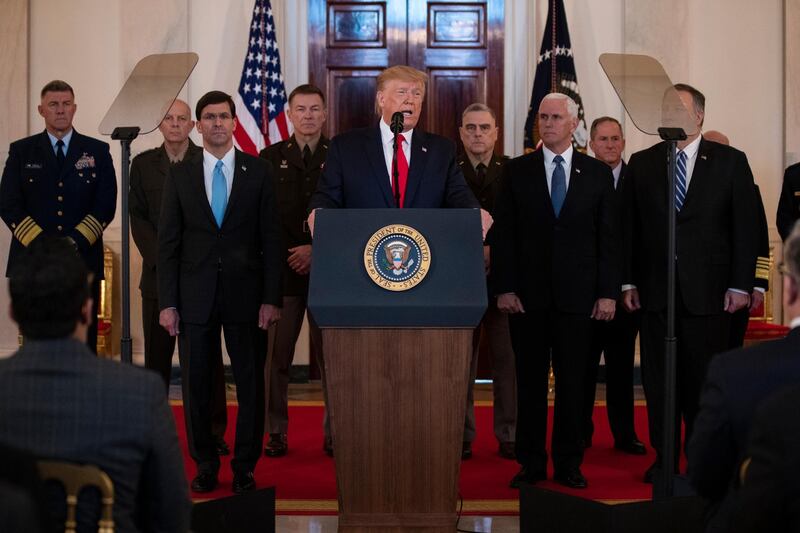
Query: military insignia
point(322, 165)
point(284, 163)
point(86, 161)
point(397, 257)
point(34, 166)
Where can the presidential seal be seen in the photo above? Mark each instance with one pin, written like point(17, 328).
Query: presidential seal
point(397, 257)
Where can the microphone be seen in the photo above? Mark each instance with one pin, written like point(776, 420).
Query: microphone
point(397, 123)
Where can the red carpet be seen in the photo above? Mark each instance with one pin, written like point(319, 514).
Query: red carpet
point(305, 481)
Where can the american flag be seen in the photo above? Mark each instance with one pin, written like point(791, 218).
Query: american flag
point(261, 99)
point(555, 73)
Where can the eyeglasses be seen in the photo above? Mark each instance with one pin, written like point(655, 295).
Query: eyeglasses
point(213, 117)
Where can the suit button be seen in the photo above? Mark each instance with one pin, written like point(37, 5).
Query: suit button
point(60, 198)
point(60, 228)
point(60, 213)
point(60, 183)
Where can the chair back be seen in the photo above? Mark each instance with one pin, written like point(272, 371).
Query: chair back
point(74, 478)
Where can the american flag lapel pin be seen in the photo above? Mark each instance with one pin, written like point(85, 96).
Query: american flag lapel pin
point(244, 168)
point(577, 171)
point(703, 157)
point(424, 149)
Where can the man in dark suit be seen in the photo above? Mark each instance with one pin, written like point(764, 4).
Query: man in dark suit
point(768, 498)
point(148, 172)
point(715, 259)
point(555, 267)
point(483, 171)
point(736, 383)
point(741, 318)
point(62, 183)
point(219, 269)
point(789, 202)
point(428, 173)
point(297, 164)
point(616, 339)
point(59, 402)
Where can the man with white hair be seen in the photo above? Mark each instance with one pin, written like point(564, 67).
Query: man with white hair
point(555, 266)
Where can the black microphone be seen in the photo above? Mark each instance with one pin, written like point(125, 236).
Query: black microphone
point(397, 122)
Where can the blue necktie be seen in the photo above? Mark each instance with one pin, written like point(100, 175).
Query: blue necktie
point(558, 189)
point(219, 193)
point(680, 181)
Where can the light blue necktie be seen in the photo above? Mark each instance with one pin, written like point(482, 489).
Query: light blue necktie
point(680, 181)
point(219, 193)
point(558, 189)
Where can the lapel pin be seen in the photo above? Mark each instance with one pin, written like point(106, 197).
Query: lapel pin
point(424, 149)
point(244, 168)
point(577, 171)
point(703, 157)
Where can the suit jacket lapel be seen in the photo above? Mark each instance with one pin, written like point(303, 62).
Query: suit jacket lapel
point(698, 179)
point(540, 183)
point(198, 185)
point(378, 162)
point(416, 170)
point(240, 175)
point(575, 183)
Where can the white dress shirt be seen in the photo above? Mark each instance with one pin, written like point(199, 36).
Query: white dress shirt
point(66, 138)
point(550, 166)
point(616, 171)
point(209, 162)
point(387, 141)
point(691, 158)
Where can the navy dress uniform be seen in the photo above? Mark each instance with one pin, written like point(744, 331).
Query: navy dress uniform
point(75, 198)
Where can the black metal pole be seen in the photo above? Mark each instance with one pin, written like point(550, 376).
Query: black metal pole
point(664, 484)
point(126, 136)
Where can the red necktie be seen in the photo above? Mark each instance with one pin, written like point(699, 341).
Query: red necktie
point(402, 170)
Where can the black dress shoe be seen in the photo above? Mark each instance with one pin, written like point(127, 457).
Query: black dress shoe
point(221, 446)
point(204, 482)
point(571, 478)
point(527, 475)
point(506, 450)
point(243, 482)
point(466, 450)
point(327, 446)
point(633, 447)
point(277, 446)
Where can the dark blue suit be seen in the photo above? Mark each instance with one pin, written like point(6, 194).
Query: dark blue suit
point(355, 174)
point(736, 383)
point(57, 401)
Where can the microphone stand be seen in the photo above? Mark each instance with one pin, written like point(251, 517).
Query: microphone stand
point(395, 172)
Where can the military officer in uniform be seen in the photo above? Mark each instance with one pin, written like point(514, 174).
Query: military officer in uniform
point(483, 171)
point(59, 182)
point(148, 172)
point(298, 162)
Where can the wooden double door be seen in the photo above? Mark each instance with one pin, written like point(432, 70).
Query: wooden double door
point(459, 44)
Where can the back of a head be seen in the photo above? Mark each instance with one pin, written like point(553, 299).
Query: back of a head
point(791, 251)
point(49, 286)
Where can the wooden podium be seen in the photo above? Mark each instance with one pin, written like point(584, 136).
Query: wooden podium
point(397, 361)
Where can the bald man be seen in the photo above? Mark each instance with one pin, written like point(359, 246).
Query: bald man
point(148, 172)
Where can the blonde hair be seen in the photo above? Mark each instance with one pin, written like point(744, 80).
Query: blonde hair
point(400, 73)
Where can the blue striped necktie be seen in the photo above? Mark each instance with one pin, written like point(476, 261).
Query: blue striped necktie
point(680, 181)
point(219, 193)
point(558, 188)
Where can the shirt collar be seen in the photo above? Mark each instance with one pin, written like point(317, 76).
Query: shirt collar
point(795, 322)
point(227, 160)
point(692, 147)
point(387, 136)
point(66, 138)
point(549, 155)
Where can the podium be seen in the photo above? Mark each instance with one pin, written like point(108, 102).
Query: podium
point(397, 294)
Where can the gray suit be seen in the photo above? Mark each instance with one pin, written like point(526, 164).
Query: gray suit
point(57, 400)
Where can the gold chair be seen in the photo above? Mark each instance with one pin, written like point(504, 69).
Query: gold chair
point(74, 478)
